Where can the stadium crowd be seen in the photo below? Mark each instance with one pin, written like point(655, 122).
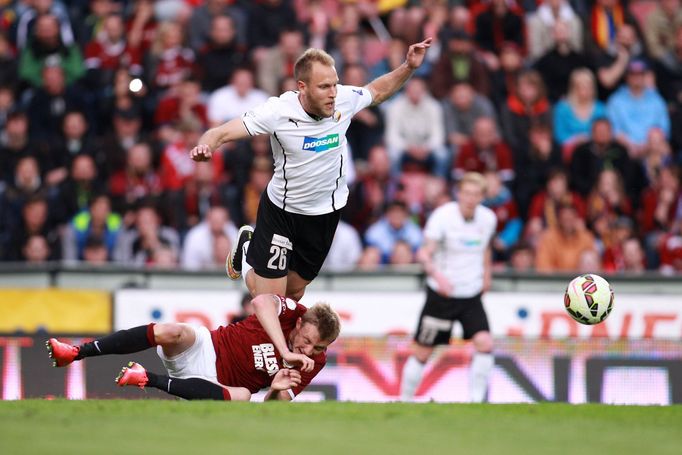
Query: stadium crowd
point(572, 109)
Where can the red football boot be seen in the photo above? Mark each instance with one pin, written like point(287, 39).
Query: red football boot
point(134, 374)
point(61, 353)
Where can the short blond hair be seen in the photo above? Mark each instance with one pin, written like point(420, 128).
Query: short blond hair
point(304, 64)
point(475, 178)
point(327, 321)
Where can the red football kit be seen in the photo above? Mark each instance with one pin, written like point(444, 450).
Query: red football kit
point(246, 356)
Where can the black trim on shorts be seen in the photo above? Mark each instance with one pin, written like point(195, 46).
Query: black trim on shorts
point(284, 171)
point(441, 312)
point(308, 240)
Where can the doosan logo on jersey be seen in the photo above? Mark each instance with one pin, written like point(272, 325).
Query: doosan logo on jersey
point(320, 144)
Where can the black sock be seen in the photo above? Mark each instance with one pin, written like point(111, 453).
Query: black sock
point(189, 389)
point(122, 342)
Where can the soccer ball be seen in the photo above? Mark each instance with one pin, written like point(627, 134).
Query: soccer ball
point(588, 299)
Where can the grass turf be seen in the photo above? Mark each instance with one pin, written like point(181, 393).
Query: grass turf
point(179, 427)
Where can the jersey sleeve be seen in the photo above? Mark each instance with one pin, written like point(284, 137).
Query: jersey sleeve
point(358, 97)
point(435, 225)
point(263, 118)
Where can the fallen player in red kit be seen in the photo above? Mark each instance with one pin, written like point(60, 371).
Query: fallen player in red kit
point(283, 346)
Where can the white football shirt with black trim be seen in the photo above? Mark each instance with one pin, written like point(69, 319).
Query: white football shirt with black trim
point(461, 247)
point(310, 174)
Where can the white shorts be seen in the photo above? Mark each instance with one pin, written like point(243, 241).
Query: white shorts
point(196, 362)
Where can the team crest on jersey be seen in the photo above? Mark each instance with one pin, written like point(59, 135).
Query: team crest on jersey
point(264, 358)
point(337, 116)
point(321, 144)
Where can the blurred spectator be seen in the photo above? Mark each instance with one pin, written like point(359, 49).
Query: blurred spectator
point(168, 61)
point(484, 152)
point(98, 222)
point(183, 103)
point(259, 177)
point(611, 64)
point(267, 19)
point(202, 191)
point(277, 62)
point(345, 251)
point(415, 134)
point(621, 230)
point(108, 51)
point(499, 199)
point(603, 152)
point(46, 48)
point(669, 72)
point(503, 80)
point(660, 209)
point(458, 62)
point(522, 258)
point(147, 242)
point(247, 309)
point(606, 204)
point(126, 132)
point(661, 25)
point(77, 190)
point(74, 140)
point(16, 143)
point(370, 259)
point(50, 103)
point(496, 23)
point(671, 250)
point(394, 226)
point(607, 19)
point(574, 115)
point(657, 154)
point(35, 250)
point(367, 126)
point(559, 248)
point(163, 257)
point(533, 169)
point(87, 22)
point(29, 21)
point(232, 100)
point(137, 181)
point(95, 252)
point(201, 28)
point(544, 207)
point(198, 250)
point(221, 55)
point(560, 62)
point(461, 109)
point(8, 63)
point(25, 184)
point(542, 23)
point(636, 108)
point(34, 221)
point(589, 261)
point(370, 194)
point(7, 103)
point(349, 51)
point(402, 254)
point(527, 105)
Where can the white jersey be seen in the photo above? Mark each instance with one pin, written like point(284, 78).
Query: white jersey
point(461, 246)
point(310, 175)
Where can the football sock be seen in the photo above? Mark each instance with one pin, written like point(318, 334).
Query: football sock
point(245, 265)
point(122, 342)
point(189, 388)
point(481, 365)
point(412, 376)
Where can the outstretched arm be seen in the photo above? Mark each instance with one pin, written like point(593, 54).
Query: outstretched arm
point(383, 87)
point(285, 380)
point(215, 137)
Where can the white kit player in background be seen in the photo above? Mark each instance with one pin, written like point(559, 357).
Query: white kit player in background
point(298, 215)
point(457, 260)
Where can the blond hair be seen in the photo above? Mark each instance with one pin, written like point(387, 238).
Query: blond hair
point(577, 75)
point(327, 321)
point(304, 64)
point(475, 178)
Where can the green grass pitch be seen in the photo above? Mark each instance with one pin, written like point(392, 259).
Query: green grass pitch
point(180, 427)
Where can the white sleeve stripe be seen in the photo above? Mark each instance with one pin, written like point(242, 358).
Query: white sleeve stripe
point(291, 393)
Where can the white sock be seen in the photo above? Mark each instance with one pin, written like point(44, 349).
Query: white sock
point(412, 377)
point(481, 365)
point(245, 265)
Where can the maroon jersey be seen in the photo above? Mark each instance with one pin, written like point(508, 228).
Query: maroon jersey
point(246, 357)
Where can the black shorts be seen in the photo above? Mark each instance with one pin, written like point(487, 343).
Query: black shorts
point(284, 241)
point(440, 313)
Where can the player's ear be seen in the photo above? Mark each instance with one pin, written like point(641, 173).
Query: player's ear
point(300, 84)
point(299, 323)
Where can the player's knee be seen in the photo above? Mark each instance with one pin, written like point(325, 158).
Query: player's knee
point(296, 294)
point(483, 342)
point(168, 334)
point(239, 394)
